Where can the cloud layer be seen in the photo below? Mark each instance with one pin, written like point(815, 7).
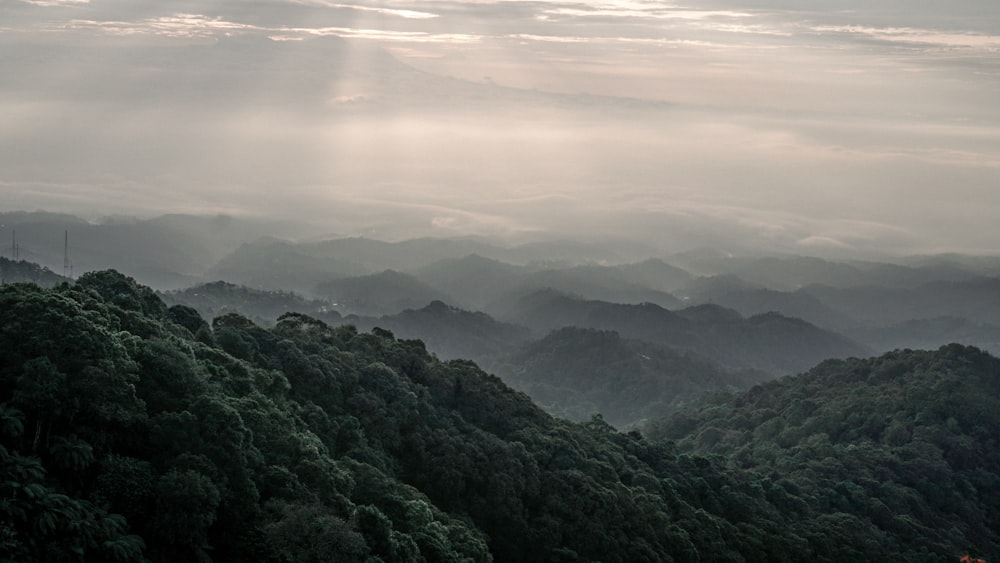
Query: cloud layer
point(846, 128)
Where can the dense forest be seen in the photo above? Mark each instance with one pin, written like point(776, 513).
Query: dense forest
point(134, 431)
point(904, 445)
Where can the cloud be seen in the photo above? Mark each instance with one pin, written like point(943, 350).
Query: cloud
point(815, 241)
point(641, 11)
point(760, 123)
point(176, 25)
point(925, 37)
point(386, 35)
point(55, 3)
point(410, 14)
point(181, 25)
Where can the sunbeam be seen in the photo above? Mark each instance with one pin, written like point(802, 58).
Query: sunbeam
point(306, 108)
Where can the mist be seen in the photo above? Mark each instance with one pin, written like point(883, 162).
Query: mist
point(853, 131)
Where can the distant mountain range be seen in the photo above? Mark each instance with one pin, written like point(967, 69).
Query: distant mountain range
point(576, 373)
point(263, 307)
point(379, 294)
point(573, 372)
point(491, 302)
point(769, 342)
point(167, 252)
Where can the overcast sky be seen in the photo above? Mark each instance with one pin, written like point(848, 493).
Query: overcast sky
point(814, 126)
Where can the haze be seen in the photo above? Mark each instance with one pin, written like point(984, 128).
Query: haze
point(840, 127)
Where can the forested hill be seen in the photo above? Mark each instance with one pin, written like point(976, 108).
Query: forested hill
point(14, 271)
point(131, 431)
point(575, 373)
point(259, 305)
point(768, 342)
point(906, 446)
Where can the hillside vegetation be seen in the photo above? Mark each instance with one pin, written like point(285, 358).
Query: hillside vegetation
point(131, 431)
point(904, 446)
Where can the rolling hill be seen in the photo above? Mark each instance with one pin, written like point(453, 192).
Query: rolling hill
point(770, 342)
point(902, 446)
point(577, 373)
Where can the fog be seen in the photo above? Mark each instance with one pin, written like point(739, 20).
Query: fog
point(847, 127)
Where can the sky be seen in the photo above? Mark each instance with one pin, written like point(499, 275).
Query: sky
point(816, 127)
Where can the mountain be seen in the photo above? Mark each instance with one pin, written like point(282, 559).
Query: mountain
point(704, 261)
point(477, 281)
point(929, 334)
point(798, 304)
point(155, 253)
point(707, 287)
point(126, 437)
point(657, 274)
point(576, 373)
point(473, 280)
point(221, 234)
point(402, 256)
point(18, 271)
point(988, 266)
point(791, 272)
point(902, 446)
point(574, 251)
point(275, 264)
point(977, 300)
point(447, 331)
point(169, 252)
point(215, 299)
point(451, 333)
point(599, 283)
point(883, 301)
point(959, 307)
point(443, 263)
point(769, 342)
point(385, 293)
point(415, 254)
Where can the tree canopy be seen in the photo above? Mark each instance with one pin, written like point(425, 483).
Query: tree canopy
point(126, 436)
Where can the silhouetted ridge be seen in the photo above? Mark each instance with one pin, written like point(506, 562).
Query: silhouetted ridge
point(384, 293)
point(772, 342)
point(577, 373)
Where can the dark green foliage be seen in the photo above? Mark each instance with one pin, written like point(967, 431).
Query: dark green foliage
point(894, 454)
point(123, 437)
point(187, 317)
point(185, 506)
point(123, 291)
